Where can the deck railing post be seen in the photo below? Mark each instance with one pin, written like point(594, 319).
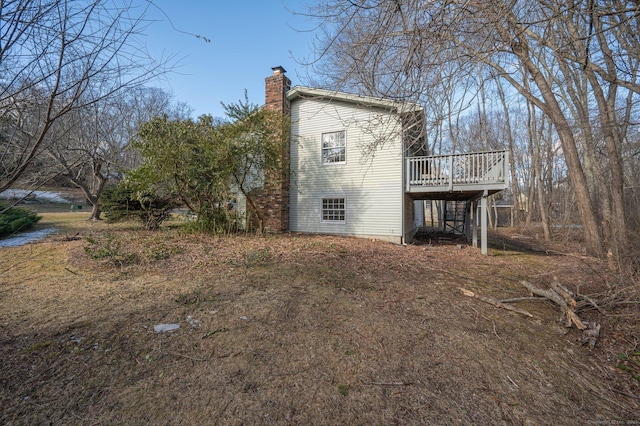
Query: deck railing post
point(408, 173)
point(451, 173)
point(505, 164)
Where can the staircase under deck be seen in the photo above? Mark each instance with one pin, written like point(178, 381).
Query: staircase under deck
point(459, 177)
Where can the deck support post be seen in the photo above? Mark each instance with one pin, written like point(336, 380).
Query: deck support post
point(467, 221)
point(483, 221)
point(474, 224)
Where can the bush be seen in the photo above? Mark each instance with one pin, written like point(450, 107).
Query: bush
point(121, 203)
point(15, 219)
point(214, 220)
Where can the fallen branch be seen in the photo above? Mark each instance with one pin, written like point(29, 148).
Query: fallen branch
point(547, 294)
point(566, 294)
point(564, 301)
point(582, 300)
point(524, 299)
point(495, 302)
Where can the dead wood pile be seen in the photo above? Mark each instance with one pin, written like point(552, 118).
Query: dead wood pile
point(570, 305)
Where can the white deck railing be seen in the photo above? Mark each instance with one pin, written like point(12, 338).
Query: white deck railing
point(476, 168)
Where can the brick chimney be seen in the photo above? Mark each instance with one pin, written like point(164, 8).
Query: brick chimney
point(276, 88)
point(273, 200)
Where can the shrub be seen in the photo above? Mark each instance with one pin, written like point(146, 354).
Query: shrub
point(218, 220)
point(121, 203)
point(15, 219)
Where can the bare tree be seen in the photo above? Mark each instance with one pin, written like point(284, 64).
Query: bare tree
point(58, 56)
point(92, 142)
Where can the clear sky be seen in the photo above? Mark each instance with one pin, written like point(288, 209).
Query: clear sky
point(248, 38)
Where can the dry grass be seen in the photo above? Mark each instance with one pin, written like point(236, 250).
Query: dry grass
point(293, 329)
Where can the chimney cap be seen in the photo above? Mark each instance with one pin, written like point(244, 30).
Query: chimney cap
point(278, 70)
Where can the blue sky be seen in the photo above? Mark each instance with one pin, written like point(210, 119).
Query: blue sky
point(248, 38)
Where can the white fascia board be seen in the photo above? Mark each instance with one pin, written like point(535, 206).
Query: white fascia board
point(329, 95)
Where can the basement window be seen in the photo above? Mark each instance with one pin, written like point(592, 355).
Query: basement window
point(334, 148)
point(333, 210)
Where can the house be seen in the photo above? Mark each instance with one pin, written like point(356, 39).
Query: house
point(358, 167)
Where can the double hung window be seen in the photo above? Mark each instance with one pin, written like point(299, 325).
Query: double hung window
point(334, 148)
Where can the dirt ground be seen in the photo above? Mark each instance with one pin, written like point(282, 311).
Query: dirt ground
point(297, 329)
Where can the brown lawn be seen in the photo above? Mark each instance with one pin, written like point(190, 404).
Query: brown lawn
point(297, 329)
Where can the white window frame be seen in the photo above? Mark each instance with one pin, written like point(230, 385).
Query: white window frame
point(333, 145)
point(334, 205)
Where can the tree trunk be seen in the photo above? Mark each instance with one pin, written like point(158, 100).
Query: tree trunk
point(537, 181)
point(95, 211)
point(607, 121)
point(579, 97)
point(542, 199)
point(533, 171)
point(531, 196)
point(512, 158)
point(612, 136)
point(542, 204)
point(590, 228)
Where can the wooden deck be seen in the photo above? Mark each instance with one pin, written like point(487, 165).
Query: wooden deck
point(460, 177)
point(456, 177)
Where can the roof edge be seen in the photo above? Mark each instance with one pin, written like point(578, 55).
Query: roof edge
point(309, 92)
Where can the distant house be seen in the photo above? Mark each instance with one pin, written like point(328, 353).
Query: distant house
point(358, 166)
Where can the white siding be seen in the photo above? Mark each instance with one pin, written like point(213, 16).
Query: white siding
point(413, 217)
point(372, 185)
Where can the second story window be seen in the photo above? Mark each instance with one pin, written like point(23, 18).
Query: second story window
point(334, 148)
